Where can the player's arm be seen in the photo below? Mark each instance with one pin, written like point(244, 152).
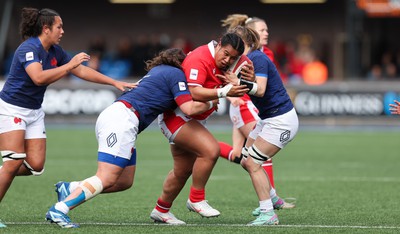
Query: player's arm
point(92, 75)
point(46, 77)
point(190, 107)
point(204, 94)
point(256, 88)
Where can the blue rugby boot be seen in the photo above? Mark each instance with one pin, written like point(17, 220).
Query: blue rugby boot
point(62, 190)
point(59, 218)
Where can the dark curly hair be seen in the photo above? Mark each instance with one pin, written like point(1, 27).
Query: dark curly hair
point(33, 20)
point(173, 57)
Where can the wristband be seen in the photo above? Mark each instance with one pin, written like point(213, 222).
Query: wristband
point(254, 89)
point(223, 92)
point(252, 86)
point(211, 105)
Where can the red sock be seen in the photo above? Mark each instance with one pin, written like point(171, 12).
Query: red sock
point(197, 195)
point(225, 150)
point(163, 206)
point(269, 170)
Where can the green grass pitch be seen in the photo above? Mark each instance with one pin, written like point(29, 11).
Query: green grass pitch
point(344, 182)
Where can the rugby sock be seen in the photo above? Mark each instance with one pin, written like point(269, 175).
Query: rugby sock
point(266, 205)
point(197, 195)
point(163, 206)
point(225, 150)
point(61, 206)
point(272, 193)
point(73, 185)
point(269, 170)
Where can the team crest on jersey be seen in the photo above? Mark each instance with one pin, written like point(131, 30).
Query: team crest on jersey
point(53, 62)
point(17, 120)
point(182, 86)
point(193, 74)
point(29, 56)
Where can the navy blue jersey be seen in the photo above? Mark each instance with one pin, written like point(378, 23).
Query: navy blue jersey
point(275, 101)
point(19, 89)
point(163, 88)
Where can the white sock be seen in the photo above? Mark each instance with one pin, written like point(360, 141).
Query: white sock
point(73, 185)
point(272, 193)
point(266, 206)
point(61, 206)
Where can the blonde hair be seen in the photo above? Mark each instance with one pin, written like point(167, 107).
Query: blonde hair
point(235, 20)
point(249, 36)
point(244, 26)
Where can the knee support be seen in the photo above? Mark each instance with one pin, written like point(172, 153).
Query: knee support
point(257, 156)
point(35, 173)
point(245, 152)
point(91, 187)
point(8, 155)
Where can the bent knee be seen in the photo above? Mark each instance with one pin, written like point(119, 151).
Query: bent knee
point(35, 170)
point(211, 152)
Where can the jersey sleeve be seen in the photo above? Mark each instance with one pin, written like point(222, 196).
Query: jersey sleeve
point(195, 71)
point(27, 54)
point(261, 65)
point(179, 87)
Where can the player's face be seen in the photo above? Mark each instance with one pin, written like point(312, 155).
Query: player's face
point(225, 56)
point(262, 29)
point(56, 31)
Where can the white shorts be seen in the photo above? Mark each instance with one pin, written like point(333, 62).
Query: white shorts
point(18, 118)
point(171, 122)
point(278, 130)
point(243, 114)
point(116, 130)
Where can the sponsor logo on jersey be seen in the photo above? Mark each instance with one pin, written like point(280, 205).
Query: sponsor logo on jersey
point(182, 86)
point(285, 136)
point(29, 56)
point(111, 139)
point(193, 74)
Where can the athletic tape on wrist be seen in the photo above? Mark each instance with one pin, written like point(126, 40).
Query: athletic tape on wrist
point(223, 92)
point(211, 105)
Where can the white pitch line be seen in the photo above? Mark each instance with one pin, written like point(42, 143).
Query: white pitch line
point(216, 225)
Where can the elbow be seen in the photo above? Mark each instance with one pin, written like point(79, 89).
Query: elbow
point(38, 82)
point(188, 112)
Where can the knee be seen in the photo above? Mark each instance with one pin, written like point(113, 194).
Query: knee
point(182, 175)
point(211, 152)
point(125, 185)
point(35, 170)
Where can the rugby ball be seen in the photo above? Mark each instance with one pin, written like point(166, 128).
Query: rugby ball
point(236, 67)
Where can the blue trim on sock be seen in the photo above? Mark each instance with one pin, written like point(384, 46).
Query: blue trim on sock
point(76, 201)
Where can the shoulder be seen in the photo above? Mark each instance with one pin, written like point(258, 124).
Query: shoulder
point(257, 55)
point(29, 44)
point(167, 71)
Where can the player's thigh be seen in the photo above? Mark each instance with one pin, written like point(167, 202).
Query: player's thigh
point(35, 152)
point(194, 137)
point(266, 147)
point(13, 141)
point(108, 173)
point(247, 128)
point(183, 161)
point(128, 175)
